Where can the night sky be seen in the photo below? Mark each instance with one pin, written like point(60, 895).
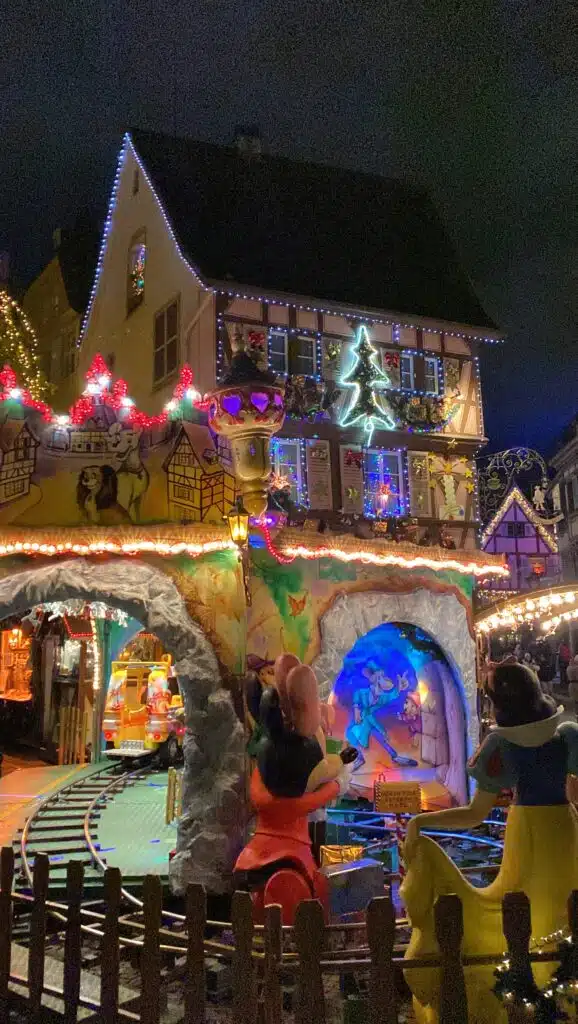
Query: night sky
point(476, 101)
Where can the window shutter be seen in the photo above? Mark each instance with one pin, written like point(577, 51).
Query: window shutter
point(419, 484)
point(352, 483)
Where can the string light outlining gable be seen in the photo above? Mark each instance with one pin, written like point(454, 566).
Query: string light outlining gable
point(238, 292)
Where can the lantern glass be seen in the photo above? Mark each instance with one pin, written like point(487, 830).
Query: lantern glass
point(238, 520)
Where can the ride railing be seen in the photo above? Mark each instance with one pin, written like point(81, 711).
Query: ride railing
point(261, 958)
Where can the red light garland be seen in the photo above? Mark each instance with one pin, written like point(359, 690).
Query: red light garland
point(282, 559)
point(99, 391)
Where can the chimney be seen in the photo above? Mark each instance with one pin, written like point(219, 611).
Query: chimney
point(57, 239)
point(248, 141)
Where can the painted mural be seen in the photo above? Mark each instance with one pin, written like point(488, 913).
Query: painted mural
point(106, 472)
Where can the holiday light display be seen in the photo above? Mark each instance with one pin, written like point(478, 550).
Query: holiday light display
point(367, 380)
point(102, 390)
point(19, 348)
point(546, 608)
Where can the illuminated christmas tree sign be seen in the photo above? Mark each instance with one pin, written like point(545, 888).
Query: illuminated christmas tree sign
point(366, 379)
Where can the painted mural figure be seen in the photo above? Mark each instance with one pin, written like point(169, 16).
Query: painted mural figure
point(132, 476)
point(96, 497)
point(367, 702)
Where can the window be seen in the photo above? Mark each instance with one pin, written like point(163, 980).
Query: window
point(166, 342)
point(383, 483)
point(406, 372)
point(431, 375)
point(278, 351)
point(516, 529)
point(303, 360)
point(135, 284)
point(286, 458)
point(14, 487)
point(571, 501)
point(135, 181)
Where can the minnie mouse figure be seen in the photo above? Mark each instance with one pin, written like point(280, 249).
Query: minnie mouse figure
point(294, 777)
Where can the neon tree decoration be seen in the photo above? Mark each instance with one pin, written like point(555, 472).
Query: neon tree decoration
point(365, 378)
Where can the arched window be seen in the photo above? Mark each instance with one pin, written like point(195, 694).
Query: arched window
point(135, 289)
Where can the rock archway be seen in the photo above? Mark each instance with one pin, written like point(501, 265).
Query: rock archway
point(441, 615)
point(209, 833)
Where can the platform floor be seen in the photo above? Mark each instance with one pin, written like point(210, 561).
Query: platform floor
point(132, 832)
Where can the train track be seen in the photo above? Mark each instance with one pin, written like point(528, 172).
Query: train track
point(61, 828)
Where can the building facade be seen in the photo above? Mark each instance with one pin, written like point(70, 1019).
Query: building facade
point(55, 303)
point(565, 497)
point(341, 285)
point(528, 542)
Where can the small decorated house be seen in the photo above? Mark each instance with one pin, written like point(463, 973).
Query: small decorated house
point(528, 542)
point(198, 485)
point(17, 460)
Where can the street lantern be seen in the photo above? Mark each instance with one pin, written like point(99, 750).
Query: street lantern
point(238, 522)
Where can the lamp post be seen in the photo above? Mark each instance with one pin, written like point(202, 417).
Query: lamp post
point(238, 523)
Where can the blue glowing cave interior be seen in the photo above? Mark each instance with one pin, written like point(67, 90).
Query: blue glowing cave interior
point(393, 699)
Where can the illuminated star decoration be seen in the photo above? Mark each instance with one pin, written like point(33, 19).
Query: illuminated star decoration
point(365, 378)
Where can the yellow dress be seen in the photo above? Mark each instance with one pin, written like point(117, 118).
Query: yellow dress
point(540, 858)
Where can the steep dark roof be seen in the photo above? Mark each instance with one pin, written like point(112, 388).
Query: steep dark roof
point(308, 229)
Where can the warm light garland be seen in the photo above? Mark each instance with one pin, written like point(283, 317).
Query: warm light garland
point(534, 608)
point(19, 346)
point(515, 495)
point(166, 541)
point(345, 548)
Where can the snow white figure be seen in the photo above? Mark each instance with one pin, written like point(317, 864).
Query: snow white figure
point(531, 751)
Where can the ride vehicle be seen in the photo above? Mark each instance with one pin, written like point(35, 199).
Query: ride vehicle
point(144, 711)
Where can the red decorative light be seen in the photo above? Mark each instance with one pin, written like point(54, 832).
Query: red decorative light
point(99, 392)
point(282, 559)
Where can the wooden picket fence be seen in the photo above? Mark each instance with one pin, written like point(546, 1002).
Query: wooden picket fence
point(259, 962)
point(73, 735)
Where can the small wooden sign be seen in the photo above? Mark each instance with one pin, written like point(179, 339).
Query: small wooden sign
point(397, 797)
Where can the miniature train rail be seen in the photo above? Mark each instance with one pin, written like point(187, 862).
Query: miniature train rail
point(56, 828)
point(74, 811)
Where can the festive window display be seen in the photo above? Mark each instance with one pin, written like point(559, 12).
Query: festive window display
point(367, 403)
point(384, 491)
point(136, 274)
point(15, 665)
point(288, 468)
point(166, 342)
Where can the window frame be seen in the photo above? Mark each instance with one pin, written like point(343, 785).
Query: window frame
point(434, 361)
point(401, 490)
point(402, 356)
point(293, 357)
point(133, 301)
point(278, 467)
point(278, 332)
point(168, 375)
point(515, 534)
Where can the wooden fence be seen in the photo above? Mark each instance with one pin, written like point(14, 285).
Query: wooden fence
point(260, 959)
point(73, 736)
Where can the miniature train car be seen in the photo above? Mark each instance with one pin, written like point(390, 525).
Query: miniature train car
point(144, 711)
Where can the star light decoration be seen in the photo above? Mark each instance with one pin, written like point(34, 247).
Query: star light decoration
point(366, 379)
